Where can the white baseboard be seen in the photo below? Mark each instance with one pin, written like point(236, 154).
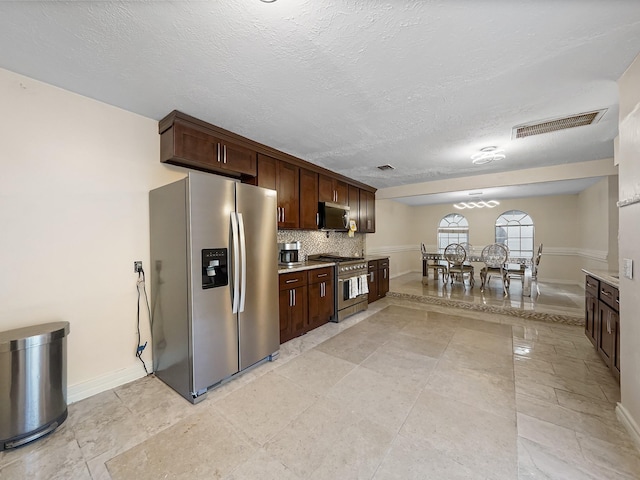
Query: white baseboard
point(83, 390)
point(629, 424)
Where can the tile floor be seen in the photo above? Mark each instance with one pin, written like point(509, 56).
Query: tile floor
point(401, 391)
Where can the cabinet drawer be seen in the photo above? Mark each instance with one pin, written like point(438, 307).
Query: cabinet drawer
point(293, 280)
point(383, 263)
point(318, 275)
point(609, 295)
point(592, 286)
point(373, 265)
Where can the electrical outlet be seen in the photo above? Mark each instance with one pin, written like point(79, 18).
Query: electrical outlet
point(137, 266)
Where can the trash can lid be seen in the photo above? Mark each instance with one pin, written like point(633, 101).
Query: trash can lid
point(32, 336)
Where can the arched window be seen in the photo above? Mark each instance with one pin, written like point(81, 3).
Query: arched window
point(453, 228)
point(515, 230)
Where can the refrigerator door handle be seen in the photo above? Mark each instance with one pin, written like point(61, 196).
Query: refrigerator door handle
point(243, 262)
point(236, 263)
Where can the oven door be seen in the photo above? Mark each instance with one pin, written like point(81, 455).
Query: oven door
point(344, 288)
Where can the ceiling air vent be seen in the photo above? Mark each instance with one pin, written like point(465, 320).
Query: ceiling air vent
point(386, 167)
point(546, 126)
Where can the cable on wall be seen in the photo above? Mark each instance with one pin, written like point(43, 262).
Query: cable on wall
point(141, 288)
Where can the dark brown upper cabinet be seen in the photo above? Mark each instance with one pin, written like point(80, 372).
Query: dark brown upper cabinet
point(308, 199)
point(190, 145)
point(354, 205)
point(330, 189)
point(282, 177)
point(367, 212)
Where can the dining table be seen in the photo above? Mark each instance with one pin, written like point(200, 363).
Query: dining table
point(523, 265)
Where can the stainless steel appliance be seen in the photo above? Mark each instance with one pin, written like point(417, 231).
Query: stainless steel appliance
point(289, 253)
point(333, 216)
point(214, 281)
point(348, 269)
point(33, 382)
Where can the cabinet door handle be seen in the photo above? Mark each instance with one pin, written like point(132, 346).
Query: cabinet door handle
point(293, 280)
point(283, 214)
point(317, 219)
point(590, 285)
point(372, 276)
point(291, 298)
point(605, 293)
point(224, 154)
point(294, 297)
point(322, 289)
point(322, 275)
point(384, 271)
point(217, 152)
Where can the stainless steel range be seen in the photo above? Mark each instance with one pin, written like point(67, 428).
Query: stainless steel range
point(351, 288)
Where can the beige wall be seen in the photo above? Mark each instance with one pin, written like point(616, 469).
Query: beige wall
point(598, 225)
point(628, 157)
point(396, 237)
point(74, 214)
point(557, 232)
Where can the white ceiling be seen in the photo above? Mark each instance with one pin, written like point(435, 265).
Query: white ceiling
point(348, 85)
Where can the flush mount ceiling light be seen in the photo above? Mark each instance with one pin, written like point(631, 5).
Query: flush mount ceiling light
point(479, 204)
point(267, 1)
point(488, 155)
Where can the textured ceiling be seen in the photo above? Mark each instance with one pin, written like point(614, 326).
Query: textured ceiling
point(348, 85)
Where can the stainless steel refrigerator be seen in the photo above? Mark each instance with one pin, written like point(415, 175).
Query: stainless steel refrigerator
point(214, 281)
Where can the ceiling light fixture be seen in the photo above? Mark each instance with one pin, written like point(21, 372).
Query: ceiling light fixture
point(479, 204)
point(488, 155)
point(267, 1)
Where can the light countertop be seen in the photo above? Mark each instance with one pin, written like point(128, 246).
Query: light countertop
point(605, 276)
point(309, 265)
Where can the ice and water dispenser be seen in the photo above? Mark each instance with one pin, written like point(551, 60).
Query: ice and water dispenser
point(214, 268)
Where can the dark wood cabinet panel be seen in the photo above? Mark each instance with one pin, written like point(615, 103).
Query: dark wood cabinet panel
point(308, 199)
point(288, 188)
point(321, 297)
point(602, 321)
point(383, 277)
point(267, 172)
point(331, 189)
point(284, 178)
point(606, 335)
point(372, 281)
point(191, 146)
point(354, 204)
point(367, 212)
point(378, 279)
point(293, 305)
point(591, 315)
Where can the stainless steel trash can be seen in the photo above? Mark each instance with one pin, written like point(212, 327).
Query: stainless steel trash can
point(33, 382)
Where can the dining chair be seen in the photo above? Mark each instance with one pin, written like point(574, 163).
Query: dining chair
point(455, 255)
point(494, 257)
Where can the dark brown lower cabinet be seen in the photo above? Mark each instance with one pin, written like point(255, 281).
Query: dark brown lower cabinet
point(306, 301)
point(321, 296)
point(378, 279)
point(293, 305)
point(602, 321)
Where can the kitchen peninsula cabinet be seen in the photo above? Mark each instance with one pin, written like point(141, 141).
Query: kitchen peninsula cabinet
point(602, 320)
point(308, 199)
point(330, 189)
point(293, 305)
point(190, 145)
point(284, 178)
point(321, 296)
point(378, 279)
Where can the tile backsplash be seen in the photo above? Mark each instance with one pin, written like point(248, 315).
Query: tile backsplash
point(314, 242)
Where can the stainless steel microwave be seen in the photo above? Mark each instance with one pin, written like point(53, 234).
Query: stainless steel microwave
point(333, 216)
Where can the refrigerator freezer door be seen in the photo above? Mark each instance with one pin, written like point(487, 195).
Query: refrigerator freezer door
point(214, 332)
point(258, 324)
